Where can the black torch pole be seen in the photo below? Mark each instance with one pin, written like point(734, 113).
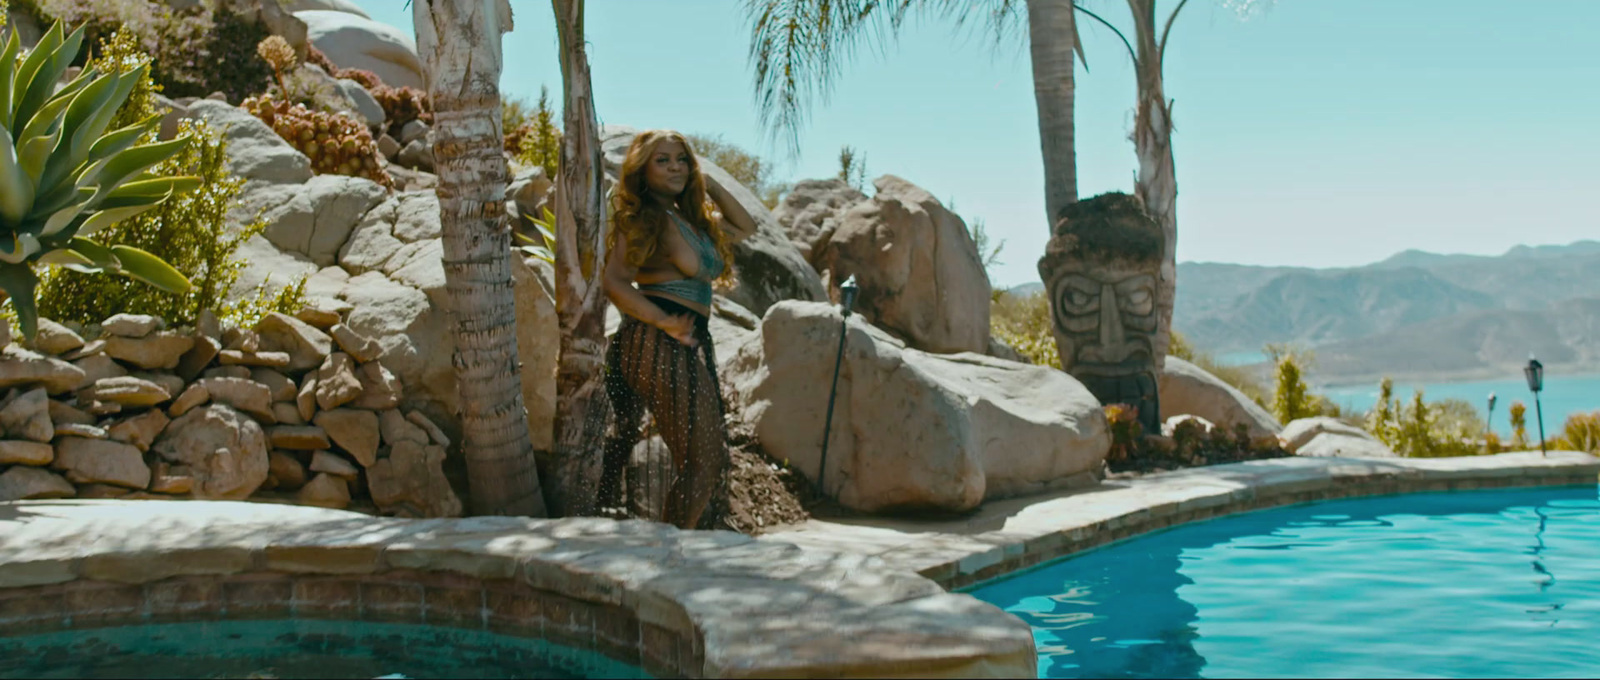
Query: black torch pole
point(847, 295)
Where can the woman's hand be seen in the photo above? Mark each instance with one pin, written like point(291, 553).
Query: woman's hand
point(680, 327)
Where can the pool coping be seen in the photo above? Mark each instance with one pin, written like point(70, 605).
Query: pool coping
point(1015, 534)
point(674, 603)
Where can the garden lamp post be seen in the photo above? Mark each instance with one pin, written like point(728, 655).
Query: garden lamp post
point(847, 300)
point(1534, 372)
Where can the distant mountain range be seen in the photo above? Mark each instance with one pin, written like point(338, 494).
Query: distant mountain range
point(1416, 315)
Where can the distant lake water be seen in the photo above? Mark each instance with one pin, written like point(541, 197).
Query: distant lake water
point(1563, 395)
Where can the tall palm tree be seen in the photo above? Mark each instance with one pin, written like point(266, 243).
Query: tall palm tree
point(580, 298)
point(1152, 143)
point(797, 46)
point(459, 41)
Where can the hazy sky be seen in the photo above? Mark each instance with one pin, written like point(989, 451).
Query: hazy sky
point(1316, 132)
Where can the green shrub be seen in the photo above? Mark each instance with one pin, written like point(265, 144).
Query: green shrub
point(853, 167)
point(196, 52)
point(1580, 433)
point(189, 231)
point(1291, 397)
point(531, 133)
point(1519, 426)
point(1419, 429)
point(1023, 323)
point(65, 175)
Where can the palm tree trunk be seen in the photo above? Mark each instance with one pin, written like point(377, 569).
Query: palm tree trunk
point(580, 300)
point(459, 40)
point(1051, 38)
point(1152, 142)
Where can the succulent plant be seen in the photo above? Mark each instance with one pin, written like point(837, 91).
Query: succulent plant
point(64, 176)
point(279, 55)
point(337, 144)
point(402, 105)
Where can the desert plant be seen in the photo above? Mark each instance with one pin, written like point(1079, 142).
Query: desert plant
point(402, 105)
point(543, 247)
point(1580, 433)
point(296, 84)
point(1023, 323)
point(191, 231)
point(1291, 397)
point(1519, 426)
point(65, 177)
point(853, 167)
point(336, 143)
point(280, 56)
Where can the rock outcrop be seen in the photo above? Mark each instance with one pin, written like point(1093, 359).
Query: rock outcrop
point(1187, 389)
point(917, 266)
point(354, 41)
point(911, 429)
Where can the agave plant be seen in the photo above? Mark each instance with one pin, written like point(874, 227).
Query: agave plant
point(63, 176)
point(543, 247)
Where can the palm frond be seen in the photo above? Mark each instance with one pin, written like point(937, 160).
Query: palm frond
point(798, 47)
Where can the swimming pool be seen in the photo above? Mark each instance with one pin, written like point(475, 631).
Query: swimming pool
point(296, 649)
point(1462, 584)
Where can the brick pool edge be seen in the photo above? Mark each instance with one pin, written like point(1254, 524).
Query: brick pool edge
point(676, 603)
point(1015, 534)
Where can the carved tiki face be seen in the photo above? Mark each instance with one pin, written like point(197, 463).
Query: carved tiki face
point(1100, 271)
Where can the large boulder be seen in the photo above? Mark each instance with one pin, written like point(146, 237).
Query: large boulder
point(1340, 445)
point(1188, 390)
point(354, 41)
point(767, 266)
point(346, 6)
point(225, 451)
point(315, 219)
point(809, 213)
point(255, 152)
point(920, 274)
point(911, 429)
point(1298, 433)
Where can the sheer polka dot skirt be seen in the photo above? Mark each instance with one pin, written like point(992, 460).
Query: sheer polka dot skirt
point(650, 373)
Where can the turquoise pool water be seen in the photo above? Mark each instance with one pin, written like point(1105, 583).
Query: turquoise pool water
point(296, 649)
point(1464, 584)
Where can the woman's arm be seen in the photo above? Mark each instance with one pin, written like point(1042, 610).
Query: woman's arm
point(618, 282)
point(736, 221)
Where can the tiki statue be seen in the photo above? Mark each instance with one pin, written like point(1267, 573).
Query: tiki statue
point(1100, 270)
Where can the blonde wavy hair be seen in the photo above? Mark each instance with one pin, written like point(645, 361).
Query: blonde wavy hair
point(640, 220)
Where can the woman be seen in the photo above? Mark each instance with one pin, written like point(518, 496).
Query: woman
point(667, 237)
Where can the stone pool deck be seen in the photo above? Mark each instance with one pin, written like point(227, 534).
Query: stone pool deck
point(676, 603)
point(1007, 535)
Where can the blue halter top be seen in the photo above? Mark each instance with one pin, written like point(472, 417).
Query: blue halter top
point(698, 288)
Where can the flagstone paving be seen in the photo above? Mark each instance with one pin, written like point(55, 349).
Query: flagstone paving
point(677, 603)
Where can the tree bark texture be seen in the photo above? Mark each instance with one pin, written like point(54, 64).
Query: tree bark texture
point(1152, 142)
point(459, 41)
point(1051, 41)
point(582, 409)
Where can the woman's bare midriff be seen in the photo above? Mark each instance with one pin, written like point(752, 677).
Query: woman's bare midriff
point(697, 307)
